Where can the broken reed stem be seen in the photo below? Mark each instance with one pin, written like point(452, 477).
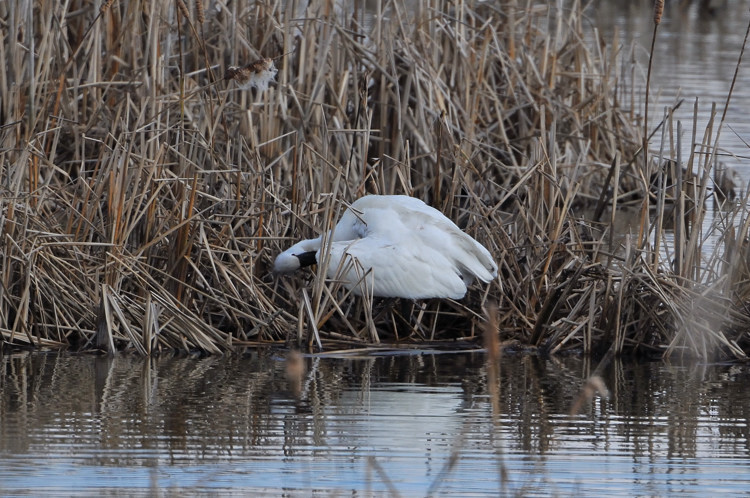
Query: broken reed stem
point(658, 10)
point(679, 216)
point(661, 195)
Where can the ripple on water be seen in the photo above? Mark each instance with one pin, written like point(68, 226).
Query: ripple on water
point(414, 421)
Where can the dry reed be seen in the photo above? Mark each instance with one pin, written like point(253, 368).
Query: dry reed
point(144, 199)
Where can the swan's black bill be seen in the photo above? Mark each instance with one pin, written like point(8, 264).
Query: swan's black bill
point(307, 259)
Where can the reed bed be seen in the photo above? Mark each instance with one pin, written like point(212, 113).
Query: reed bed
point(144, 196)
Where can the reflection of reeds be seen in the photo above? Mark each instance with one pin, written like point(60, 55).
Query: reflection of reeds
point(144, 203)
point(294, 370)
point(182, 404)
point(382, 476)
point(594, 385)
point(494, 353)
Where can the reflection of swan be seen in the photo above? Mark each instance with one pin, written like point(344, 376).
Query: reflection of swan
point(404, 247)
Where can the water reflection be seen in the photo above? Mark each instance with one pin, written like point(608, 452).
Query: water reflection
point(695, 58)
point(126, 425)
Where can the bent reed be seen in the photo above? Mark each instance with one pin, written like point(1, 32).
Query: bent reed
point(144, 197)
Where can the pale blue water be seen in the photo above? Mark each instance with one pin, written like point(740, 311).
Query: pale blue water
point(126, 426)
point(695, 58)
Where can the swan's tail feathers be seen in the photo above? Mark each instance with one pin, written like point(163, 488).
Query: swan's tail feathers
point(474, 261)
point(480, 267)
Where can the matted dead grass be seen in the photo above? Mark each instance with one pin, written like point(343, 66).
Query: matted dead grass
point(144, 196)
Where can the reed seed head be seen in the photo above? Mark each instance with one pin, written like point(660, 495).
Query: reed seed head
point(183, 8)
point(105, 6)
point(594, 385)
point(658, 11)
point(294, 370)
point(199, 13)
point(294, 365)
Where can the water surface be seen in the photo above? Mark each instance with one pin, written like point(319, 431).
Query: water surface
point(418, 422)
point(696, 55)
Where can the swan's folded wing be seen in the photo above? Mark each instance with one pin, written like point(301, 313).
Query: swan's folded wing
point(397, 270)
point(465, 254)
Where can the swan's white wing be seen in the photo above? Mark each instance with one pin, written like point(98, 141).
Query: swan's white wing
point(469, 257)
point(407, 220)
point(397, 270)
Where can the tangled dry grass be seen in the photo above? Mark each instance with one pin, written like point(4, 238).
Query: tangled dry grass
point(144, 197)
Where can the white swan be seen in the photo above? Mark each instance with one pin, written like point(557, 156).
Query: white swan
point(404, 247)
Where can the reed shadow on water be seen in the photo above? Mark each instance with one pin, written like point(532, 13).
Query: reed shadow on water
point(425, 423)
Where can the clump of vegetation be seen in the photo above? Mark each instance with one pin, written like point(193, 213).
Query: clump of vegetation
point(146, 194)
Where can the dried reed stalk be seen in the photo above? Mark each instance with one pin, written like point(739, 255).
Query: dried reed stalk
point(143, 200)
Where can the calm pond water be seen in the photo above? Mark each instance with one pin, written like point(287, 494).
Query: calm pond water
point(420, 423)
point(695, 57)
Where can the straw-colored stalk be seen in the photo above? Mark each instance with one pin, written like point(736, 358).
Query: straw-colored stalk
point(144, 200)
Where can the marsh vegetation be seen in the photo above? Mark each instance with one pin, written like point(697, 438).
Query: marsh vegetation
point(144, 197)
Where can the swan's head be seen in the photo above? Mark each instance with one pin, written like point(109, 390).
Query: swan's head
point(285, 263)
point(291, 260)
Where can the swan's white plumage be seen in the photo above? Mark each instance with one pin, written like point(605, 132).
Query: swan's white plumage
point(406, 248)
